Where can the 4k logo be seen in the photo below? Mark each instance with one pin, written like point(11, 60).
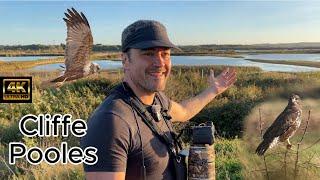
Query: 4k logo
point(16, 87)
point(16, 90)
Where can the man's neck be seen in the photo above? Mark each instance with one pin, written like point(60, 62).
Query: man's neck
point(145, 97)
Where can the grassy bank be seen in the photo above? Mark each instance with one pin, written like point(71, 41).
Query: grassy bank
point(20, 65)
point(17, 54)
point(220, 54)
point(234, 114)
point(40, 52)
point(108, 56)
point(297, 63)
point(283, 51)
point(93, 56)
point(8, 66)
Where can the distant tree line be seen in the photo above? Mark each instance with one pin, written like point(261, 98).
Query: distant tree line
point(61, 47)
point(186, 48)
point(283, 46)
point(33, 47)
point(100, 47)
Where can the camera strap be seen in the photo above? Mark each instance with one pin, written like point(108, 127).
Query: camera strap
point(172, 144)
point(131, 99)
point(167, 119)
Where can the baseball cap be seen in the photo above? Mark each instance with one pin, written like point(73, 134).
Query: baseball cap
point(144, 34)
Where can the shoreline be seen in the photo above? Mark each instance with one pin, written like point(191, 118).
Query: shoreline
point(117, 55)
point(20, 65)
point(285, 62)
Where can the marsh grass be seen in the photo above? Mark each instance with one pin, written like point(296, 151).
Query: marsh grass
point(235, 159)
point(302, 160)
point(232, 113)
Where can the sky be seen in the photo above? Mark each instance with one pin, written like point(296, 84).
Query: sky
point(187, 22)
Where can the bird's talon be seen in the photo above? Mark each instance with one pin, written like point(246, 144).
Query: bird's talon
point(289, 146)
point(59, 84)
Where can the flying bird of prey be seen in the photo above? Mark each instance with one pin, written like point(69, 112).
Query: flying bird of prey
point(79, 44)
point(283, 127)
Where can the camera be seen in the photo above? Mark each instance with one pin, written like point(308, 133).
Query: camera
point(203, 133)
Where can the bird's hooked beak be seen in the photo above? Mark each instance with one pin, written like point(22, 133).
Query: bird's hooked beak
point(295, 99)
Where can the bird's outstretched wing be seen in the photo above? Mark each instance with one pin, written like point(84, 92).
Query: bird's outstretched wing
point(280, 125)
point(79, 41)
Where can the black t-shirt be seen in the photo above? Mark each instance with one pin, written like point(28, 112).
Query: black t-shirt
point(113, 130)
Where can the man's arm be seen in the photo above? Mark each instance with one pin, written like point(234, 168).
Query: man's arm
point(186, 109)
point(105, 175)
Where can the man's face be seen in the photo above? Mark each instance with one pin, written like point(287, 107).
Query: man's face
point(149, 69)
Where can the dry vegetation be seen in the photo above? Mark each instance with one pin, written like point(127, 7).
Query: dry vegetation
point(234, 114)
point(283, 163)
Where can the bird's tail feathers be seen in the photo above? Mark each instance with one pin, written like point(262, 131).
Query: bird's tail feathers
point(58, 79)
point(47, 84)
point(263, 147)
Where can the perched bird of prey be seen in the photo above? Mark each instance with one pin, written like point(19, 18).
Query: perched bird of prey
point(77, 53)
point(283, 127)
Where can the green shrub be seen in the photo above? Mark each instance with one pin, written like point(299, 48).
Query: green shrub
point(228, 165)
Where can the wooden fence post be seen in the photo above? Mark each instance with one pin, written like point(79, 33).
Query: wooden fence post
point(201, 73)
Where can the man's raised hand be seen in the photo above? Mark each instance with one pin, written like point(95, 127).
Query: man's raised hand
point(223, 81)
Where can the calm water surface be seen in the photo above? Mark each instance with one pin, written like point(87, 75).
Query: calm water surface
point(199, 60)
point(287, 57)
point(27, 58)
point(104, 64)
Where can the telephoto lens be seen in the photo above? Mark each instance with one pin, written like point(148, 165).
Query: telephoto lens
point(201, 160)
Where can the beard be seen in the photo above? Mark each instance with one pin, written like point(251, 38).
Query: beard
point(153, 85)
point(151, 82)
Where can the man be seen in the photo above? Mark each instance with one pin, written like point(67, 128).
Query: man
point(125, 143)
